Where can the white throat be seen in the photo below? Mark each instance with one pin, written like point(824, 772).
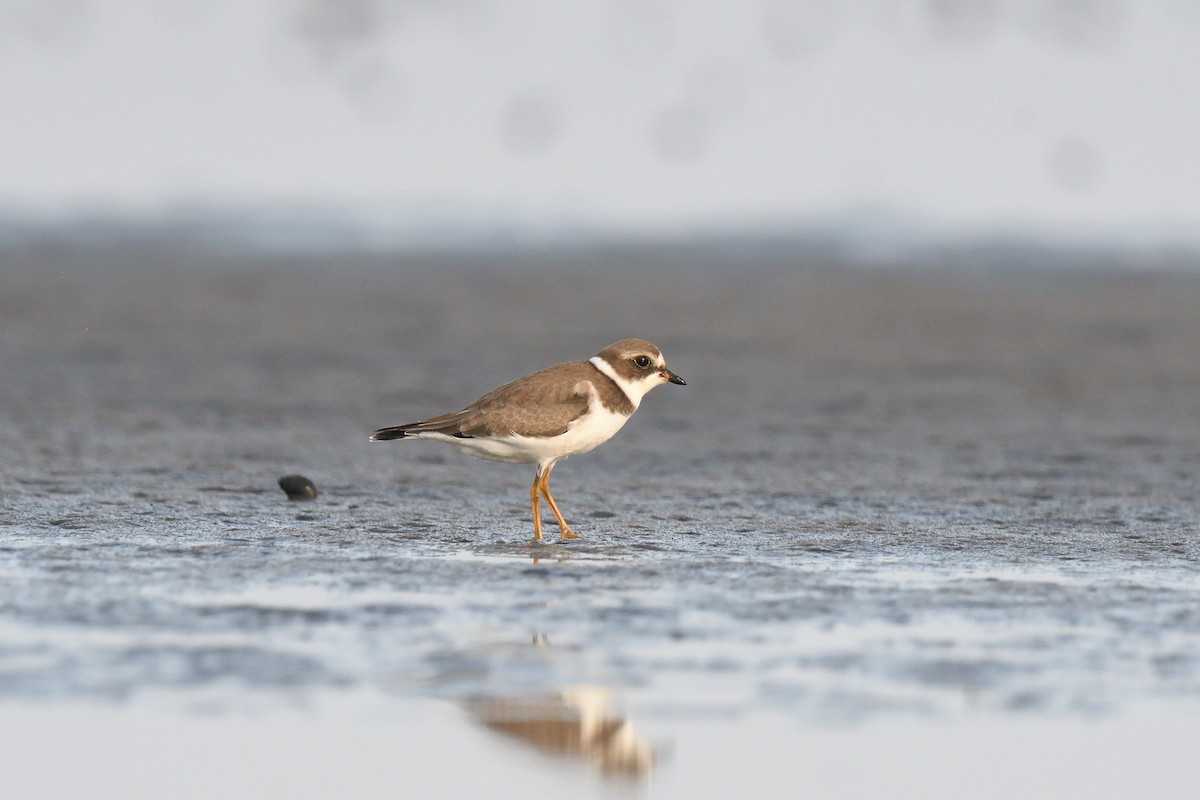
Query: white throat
point(634, 390)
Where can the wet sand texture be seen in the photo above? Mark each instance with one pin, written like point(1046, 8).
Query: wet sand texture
point(916, 489)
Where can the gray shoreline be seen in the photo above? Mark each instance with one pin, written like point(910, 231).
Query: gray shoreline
point(1009, 454)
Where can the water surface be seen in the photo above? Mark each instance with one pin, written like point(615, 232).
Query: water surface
point(891, 509)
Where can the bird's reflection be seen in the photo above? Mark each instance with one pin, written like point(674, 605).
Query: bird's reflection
point(580, 722)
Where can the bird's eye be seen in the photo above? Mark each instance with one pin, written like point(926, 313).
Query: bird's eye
point(642, 361)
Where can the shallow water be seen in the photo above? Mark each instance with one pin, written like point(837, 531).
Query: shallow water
point(911, 498)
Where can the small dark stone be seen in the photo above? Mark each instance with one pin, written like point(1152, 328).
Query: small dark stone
point(298, 487)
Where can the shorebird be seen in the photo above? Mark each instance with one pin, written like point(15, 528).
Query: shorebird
point(542, 418)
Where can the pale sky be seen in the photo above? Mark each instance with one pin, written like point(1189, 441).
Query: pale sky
point(976, 116)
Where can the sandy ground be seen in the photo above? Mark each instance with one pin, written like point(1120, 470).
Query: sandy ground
point(886, 496)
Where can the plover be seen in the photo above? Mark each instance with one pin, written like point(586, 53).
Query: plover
point(542, 418)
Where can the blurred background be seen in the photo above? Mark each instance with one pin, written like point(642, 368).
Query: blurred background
point(876, 126)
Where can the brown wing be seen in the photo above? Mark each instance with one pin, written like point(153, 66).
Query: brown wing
point(541, 404)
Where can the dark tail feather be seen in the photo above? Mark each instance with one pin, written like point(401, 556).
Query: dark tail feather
point(448, 424)
point(386, 434)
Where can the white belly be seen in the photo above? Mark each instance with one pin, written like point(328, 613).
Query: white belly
point(589, 431)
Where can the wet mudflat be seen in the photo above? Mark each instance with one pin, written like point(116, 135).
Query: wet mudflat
point(888, 501)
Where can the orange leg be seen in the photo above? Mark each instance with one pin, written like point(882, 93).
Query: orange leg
point(543, 483)
point(537, 511)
